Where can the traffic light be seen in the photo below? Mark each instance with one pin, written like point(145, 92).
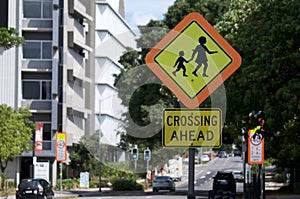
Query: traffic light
point(147, 155)
point(135, 153)
point(257, 119)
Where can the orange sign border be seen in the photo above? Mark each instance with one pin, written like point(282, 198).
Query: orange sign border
point(215, 83)
point(65, 147)
point(262, 150)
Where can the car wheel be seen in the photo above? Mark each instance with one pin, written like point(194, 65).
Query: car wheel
point(154, 190)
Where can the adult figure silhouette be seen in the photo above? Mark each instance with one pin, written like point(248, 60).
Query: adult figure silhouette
point(201, 49)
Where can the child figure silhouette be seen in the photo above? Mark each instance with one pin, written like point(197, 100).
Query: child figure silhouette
point(201, 49)
point(180, 64)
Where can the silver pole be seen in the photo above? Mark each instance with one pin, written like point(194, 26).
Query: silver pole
point(191, 177)
point(60, 176)
point(100, 155)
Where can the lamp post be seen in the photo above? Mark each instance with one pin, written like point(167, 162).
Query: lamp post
point(100, 134)
point(244, 149)
point(100, 155)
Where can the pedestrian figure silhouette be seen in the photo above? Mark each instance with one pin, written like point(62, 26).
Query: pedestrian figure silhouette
point(180, 64)
point(201, 49)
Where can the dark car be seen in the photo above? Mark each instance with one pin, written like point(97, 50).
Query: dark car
point(34, 189)
point(224, 182)
point(222, 154)
point(163, 183)
point(237, 152)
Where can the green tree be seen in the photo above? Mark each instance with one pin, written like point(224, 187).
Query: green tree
point(85, 154)
point(82, 159)
point(15, 133)
point(9, 37)
point(266, 33)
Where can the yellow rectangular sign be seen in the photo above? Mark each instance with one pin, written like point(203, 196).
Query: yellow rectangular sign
point(192, 128)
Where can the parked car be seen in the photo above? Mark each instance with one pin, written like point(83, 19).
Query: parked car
point(222, 154)
point(224, 182)
point(208, 153)
point(163, 183)
point(34, 189)
point(204, 158)
point(237, 152)
point(238, 176)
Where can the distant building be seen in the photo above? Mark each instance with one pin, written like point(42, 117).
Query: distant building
point(63, 70)
point(112, 36)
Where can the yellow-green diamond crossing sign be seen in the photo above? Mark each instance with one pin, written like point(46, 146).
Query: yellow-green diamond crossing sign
point(192, 60)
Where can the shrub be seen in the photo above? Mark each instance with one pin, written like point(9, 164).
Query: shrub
point(278, 178)
point(126, 185)
point(95, 183)
point(67, 184)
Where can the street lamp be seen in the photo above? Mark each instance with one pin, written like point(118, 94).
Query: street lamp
point(100, 155)
point(100, 133)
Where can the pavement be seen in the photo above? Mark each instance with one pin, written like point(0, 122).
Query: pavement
point(76, 193)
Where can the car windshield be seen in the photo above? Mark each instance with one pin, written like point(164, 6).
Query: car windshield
point(32, 184)
point(162, 178)
point(237, 173)
point(223, 176)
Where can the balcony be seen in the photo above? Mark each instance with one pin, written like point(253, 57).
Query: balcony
point(32, 64)
point(76, 35)
point(77, 9)
point(38, 105)
point(37, 24)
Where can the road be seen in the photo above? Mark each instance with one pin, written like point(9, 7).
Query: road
point(204, 173)
point(139, 197)
point(203, 182)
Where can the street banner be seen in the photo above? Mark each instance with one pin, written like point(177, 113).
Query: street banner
point(39, 138)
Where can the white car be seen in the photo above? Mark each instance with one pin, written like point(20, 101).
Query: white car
point(238, 176)
point(204, 158)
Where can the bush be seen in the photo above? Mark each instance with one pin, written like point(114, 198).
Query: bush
point(95, 183)
point(126, 185)
point(278, 178)
point(68, 184)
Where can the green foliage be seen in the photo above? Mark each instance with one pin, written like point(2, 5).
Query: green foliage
point(211, 10)
point(68, 184)
point(266, 35)
point(267, 39)
point(84, 156)
point(278, 178)
point(15, 133)
point(126, 185)
point(95, 183)
point(9, 37)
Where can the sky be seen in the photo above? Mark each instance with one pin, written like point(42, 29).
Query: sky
point(140, 12)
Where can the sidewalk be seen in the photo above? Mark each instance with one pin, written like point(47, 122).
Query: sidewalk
point(94, 192)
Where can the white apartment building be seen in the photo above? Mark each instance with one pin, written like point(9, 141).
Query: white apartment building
point(63, 71)
point(112, 36)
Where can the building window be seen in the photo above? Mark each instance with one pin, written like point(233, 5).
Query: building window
point(47, 132)
point(37, 50)
point(47, 136)
point(38, 9)
point(4, 14)
point(38, 90)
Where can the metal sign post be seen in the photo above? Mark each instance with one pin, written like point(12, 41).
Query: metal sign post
point(191, 177)
point(188, 38)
